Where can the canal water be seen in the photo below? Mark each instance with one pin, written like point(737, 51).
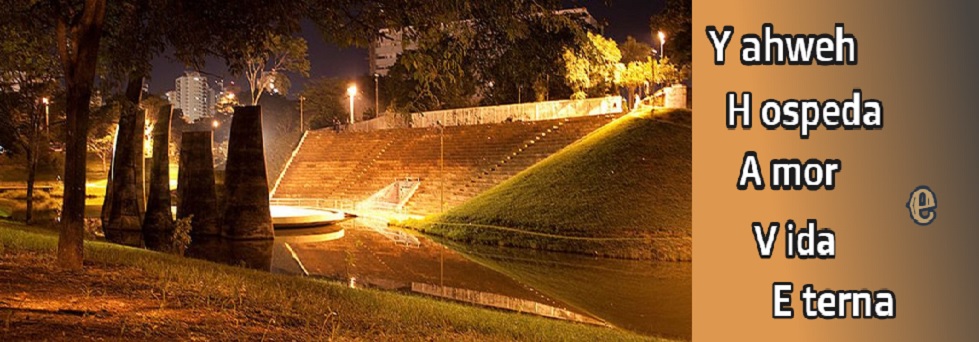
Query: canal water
point(651, 298)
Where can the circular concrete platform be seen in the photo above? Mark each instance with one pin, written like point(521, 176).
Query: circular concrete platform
point(301, 217)
point(310, 235)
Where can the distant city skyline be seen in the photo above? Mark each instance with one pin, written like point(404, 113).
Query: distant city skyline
point(621, 18)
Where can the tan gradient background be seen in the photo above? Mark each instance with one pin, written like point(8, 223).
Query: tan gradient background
point(920, 59)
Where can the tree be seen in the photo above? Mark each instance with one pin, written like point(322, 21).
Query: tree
point(324, 102)
point(636, 74)
point(76, 26)
point(666, 73)
point(196, 29)
point(591, 69)
point(675, 21)
point(78, 33)
point(228, 100)
point(438, 74)
point(463, 63)
point(539, 75)
point(265, 64)
point(102, 146)
point(28, 71)
point(634, 50)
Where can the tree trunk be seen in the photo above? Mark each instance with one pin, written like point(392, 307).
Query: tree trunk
point(125, 217)
point(158, 225)
point(630, 98)
point(31, 175)
point(79, 55)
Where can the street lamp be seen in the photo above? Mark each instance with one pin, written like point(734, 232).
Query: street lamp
point(301, 117)
point(662, 39)
point(351, 92)
point(441, 166)
point(441, 200)
point(377, 106)
point(47, 115)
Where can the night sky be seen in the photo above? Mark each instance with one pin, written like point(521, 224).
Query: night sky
point(621, 18)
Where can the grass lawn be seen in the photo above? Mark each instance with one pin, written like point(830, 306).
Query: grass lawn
point(126, 294)
point(622, 191)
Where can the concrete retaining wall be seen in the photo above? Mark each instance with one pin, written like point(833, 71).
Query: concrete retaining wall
point(534, 111)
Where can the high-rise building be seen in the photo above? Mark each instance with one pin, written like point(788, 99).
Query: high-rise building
point(193, 96)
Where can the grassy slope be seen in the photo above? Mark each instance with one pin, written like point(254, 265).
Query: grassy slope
point(300, 302)
point(622, 191)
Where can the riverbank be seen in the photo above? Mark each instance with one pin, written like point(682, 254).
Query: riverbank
point(127, 293)
point(623, 191)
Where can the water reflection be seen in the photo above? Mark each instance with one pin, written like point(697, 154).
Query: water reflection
point(386, 258)
point(646, 297)
point(255, 254)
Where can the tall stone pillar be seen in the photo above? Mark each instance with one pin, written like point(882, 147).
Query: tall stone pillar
point(196, 191)
point(139, 140)
point(246, 213)
point(125, 211)
point(158, 222)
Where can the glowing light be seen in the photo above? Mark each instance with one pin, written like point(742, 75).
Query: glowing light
point(352, 91)
point(215, 123)
point(662, 40)
point(45, 101)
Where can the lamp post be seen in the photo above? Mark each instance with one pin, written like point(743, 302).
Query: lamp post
point(302, 120)
point(351, 92)
point(441, 167)
point(662, 39)
point(47, 115)
point(441, 201)
point(377, 105)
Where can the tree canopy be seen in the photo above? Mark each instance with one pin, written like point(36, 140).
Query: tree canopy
point(265, 67)
point(486, 61)
point(634, 50)
point(675, 21)
point(591, 69)
point(126, 34)
point(323, 104)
